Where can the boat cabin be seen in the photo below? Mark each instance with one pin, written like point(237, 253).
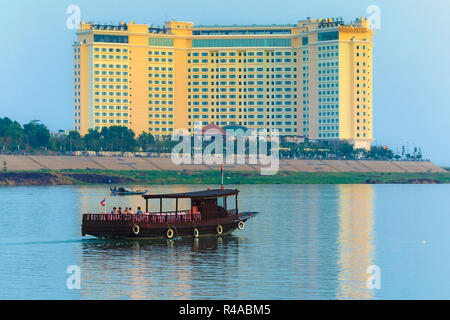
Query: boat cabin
point(208, 204)
point(208, 212)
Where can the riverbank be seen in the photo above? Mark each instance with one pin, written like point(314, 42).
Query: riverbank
point(128, 177)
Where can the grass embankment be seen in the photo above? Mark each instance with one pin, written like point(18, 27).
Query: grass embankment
point(46, 177)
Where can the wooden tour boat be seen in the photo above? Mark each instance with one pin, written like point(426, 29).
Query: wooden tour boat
point(212, 212)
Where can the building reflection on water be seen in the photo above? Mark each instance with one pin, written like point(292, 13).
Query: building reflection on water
point(356, 249)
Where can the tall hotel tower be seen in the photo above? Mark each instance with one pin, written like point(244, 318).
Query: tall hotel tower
point(313, 79)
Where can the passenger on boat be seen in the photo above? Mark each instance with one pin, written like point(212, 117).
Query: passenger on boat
point(139, 210)
point(120, 210)
point(114, 210)
point(126, 210)
point(130, 211)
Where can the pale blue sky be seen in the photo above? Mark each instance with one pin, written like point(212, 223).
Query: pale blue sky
point(411, 56)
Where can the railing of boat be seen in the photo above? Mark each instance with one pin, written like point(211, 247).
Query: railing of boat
point(163, 217)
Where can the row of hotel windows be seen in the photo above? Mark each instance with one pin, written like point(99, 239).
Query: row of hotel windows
point(156, 115)
point(106, 93)
point(244, 110)
point(233, 54)
point(162, 68)
point(245, 83)
point(332, 120)
point(111, 114)
point(110, 66)
point(110, 121)
point(326, 48)
point(222, 89)
point(250, 96)
point(110, 57)
point(274, 83)
point(329, 135)
point(332, 99)
point(163, 53)
point(279, 60)
point(279, 69)
point(162, 75)
point(160, 89)
point(111, 107)
point(328, 106)
point(328, 55)
point(233, 116)
point(111, 79)
point(111, 100)
point(117, 87)
point(160, 129)
point(110, 50)
point(157, 122)
point(160, 82)
point(329, 78)
point(328, 92)
point(157, 95)
point(245, 76)
point(250, 103)
point(160, 109)
point(328, 85)
point(160, 60)
point(160, 102)
point(328, 71)
point(328, 64)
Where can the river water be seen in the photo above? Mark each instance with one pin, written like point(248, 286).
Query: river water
point(309, 242)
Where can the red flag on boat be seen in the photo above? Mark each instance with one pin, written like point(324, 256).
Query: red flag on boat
point(103, 203)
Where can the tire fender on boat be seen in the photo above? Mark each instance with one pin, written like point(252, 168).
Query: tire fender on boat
point(136, 229)
point(170, 233)
point(241, 225)
point(196, 233)
point(219, 229)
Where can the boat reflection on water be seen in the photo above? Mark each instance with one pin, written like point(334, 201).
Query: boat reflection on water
point(157, 269)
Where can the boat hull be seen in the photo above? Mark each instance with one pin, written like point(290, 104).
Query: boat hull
point(148, 230)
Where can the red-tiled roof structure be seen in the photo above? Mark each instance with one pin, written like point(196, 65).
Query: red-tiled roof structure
point(212, 129)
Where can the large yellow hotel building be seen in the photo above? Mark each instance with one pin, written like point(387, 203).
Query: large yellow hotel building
point(312, 79)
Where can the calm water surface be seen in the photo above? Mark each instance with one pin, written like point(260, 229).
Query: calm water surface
point(310, 242)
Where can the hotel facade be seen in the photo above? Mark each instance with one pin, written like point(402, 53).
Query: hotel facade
point(311, 79)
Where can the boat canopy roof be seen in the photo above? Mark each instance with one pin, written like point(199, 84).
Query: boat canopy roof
point(205, 194)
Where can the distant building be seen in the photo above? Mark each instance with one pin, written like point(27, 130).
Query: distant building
point(311, 79)
point(212, 129)
point(295, 139)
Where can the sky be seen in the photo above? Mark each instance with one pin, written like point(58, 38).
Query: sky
point(411, 67)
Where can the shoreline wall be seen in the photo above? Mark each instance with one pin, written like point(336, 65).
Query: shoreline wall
point(38, 162)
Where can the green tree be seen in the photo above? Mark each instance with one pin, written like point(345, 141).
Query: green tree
point(118, 138)
point(12, 135)
point(145, 140)
point(93, 140)
point(75, 141)
point(37, 134)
